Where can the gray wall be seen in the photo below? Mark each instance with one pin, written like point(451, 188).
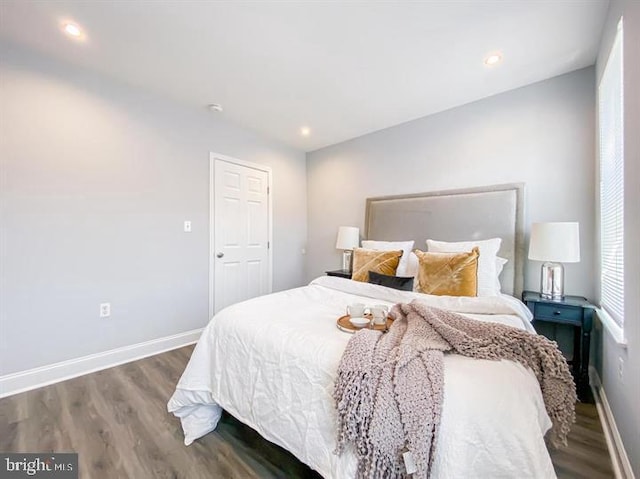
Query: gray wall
point(96, 181)
point(624, 394)
point(542, 135)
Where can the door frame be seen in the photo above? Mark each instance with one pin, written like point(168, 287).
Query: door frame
point(213, 157)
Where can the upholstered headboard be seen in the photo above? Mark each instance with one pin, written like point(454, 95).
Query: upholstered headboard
point(456, 215)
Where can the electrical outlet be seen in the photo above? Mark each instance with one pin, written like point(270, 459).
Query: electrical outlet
point(105, 310)
point(620, 368)
point(187, 226)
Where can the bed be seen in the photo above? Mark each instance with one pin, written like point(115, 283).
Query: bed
point(271, 361)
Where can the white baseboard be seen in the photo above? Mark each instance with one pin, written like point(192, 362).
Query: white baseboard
point(22, 381)
point(621, 463)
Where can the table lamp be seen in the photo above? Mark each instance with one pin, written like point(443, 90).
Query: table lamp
point(554, 243)
point(348, 239)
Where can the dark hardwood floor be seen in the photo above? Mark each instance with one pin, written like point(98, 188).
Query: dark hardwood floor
point(117, 421)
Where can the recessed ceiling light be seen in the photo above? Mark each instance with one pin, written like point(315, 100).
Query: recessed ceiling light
point(215, 107)
point(493, 59)
point(305, 131)
point(72, 30)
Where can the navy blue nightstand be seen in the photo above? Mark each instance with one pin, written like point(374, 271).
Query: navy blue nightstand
point(341, 273)
point(574, 311)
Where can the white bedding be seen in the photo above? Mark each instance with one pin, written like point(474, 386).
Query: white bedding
point(271, 362)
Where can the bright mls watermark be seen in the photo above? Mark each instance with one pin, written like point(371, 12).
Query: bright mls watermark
point(45, 465)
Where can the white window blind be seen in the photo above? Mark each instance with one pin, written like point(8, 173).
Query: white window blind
point(610, 109)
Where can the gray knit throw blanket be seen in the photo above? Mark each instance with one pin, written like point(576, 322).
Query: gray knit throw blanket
point(389, 389)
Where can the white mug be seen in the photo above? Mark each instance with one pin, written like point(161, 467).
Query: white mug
point(379, 313)
point(355, 310)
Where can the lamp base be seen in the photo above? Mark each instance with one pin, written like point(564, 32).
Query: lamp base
point(552, 281)
point(346, 260)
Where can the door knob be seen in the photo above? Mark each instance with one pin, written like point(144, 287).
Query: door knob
point(220, 255)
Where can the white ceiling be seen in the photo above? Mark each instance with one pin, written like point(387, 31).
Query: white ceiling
point(342, 68)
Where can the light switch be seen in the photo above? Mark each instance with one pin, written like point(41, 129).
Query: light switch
point(187, 226)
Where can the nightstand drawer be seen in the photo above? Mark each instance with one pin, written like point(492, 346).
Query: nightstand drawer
point(558, 312)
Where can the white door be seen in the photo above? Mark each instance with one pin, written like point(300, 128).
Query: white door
point(241, 241)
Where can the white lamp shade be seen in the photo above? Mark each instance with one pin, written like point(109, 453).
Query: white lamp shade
point(348, 237)
point(557, 242)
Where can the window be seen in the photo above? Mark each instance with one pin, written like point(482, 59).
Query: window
point(610, 112)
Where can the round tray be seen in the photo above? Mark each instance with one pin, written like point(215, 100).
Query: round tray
point(343, 324)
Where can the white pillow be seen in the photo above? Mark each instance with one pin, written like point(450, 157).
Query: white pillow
point(500, 262)
point(413, 265)
point(487, 273)
point(405, 246)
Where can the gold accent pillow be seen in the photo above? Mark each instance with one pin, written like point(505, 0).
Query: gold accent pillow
point(383, 262)
point(448, 274)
